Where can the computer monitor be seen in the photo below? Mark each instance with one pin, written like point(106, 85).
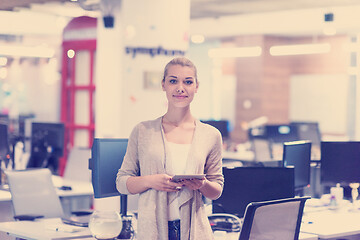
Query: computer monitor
point(221, 125)
point(4, 143)
point(47, 145)
point(106, 158)
point(4, 119)
point(250, 184)
point(279, 133)
point(340, 162)
point(298, 155)
point(310, 131)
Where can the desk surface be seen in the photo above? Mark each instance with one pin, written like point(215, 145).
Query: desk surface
point(78, 188)
point(235, 236)
point(45, 230)
point(240, 156)
point(331, 223)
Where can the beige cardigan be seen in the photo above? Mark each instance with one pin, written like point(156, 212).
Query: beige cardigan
point(146, 155)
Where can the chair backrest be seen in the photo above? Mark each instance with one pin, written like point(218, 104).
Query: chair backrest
point(262, 149)
point(33, 193)
point(276, 219)
point(77, 165)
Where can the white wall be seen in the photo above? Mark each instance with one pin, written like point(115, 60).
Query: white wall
point(160, 23)
point(321, 98)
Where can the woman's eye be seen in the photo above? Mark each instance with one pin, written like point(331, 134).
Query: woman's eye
point(189, 82)
point(172, 81)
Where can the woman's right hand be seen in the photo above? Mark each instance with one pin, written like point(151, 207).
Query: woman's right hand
point(162, 182)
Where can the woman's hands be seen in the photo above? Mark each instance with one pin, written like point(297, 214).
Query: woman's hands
point(162, 182)
point(211, 190)
point(194, 184)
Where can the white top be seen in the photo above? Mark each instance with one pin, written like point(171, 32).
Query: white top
point(177, 154)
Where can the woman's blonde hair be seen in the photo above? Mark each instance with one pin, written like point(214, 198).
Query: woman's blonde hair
point(182, 61)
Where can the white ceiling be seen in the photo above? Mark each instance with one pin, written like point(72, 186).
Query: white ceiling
point(199, 8)
point(219, 8)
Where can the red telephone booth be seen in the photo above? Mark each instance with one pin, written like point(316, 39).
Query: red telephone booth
point(78, 85)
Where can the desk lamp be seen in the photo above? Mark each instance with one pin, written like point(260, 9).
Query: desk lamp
point(106, 158)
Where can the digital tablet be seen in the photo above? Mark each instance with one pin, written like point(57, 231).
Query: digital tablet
point(177, 178)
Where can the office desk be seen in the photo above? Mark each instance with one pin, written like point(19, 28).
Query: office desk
point(44, 230)
point(247, 156)
point(78, 188)
point(331, 224)
point(235, 236)
point(78, 198)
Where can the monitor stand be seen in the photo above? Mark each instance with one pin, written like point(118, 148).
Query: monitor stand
point(354, 196)
point(127, 230)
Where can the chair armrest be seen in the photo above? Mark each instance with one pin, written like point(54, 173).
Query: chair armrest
point(82, 213)
point(29, 217)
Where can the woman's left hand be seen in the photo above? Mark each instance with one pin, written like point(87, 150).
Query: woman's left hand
point(194, 184)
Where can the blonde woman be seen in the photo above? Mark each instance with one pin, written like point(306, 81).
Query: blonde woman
point(175, 143)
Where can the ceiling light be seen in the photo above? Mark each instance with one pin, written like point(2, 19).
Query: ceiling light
point(300, 49)
point(197, 38)
point(235, 52)
point(3, 61)
point(70, 53)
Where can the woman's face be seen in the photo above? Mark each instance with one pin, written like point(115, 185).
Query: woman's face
point(180, 85)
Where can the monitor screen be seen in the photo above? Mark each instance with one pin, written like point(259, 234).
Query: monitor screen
point(251, 184)
point(298, 155)
point(107, 155)
point(310, 131)
point(47, 145)
point(281, 133)
point(340, 162)
point(4, 143)
point(221, 125)
point(106, 158)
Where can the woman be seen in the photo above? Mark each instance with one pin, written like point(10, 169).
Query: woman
point(175, 143)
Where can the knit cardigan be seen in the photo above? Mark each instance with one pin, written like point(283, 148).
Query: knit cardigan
point(146, 155)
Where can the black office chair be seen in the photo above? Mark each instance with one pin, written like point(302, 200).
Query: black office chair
point(276, 219)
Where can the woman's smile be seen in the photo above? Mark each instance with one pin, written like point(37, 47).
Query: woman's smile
point(180, 96)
